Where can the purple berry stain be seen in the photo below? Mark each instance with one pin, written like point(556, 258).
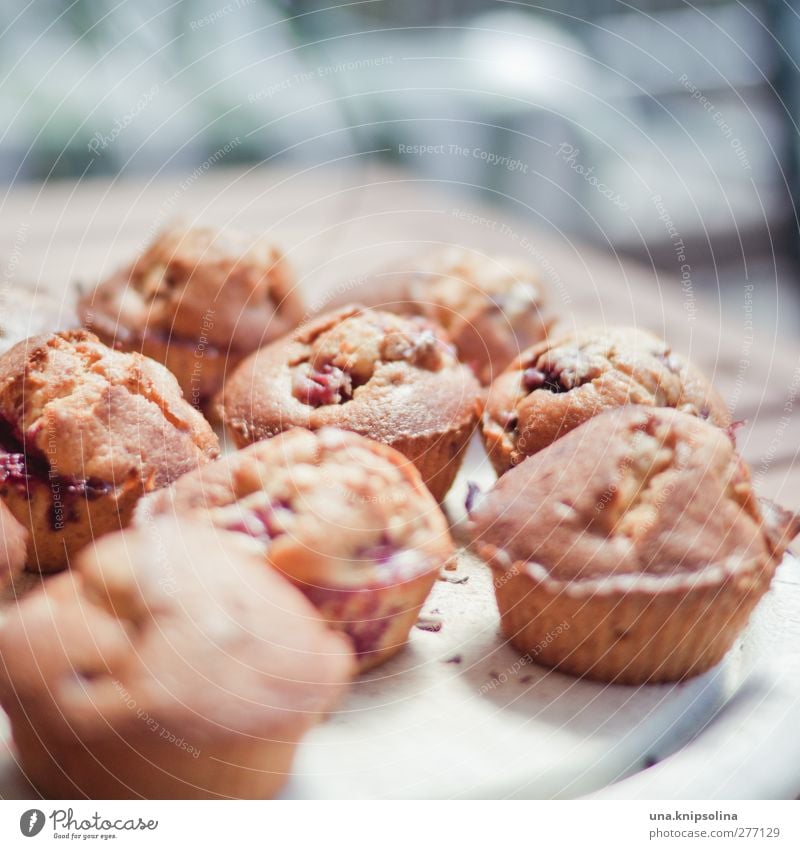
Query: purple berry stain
point(474, 495)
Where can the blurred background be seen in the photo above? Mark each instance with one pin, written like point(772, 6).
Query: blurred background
point(661, 128)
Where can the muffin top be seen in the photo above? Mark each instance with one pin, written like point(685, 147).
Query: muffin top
point(13, 544)
point(88, 412)
point(330, 508)
point(459, 284)
point(556, 385)
point(185, 623)
point(234, 290)
point(491, 307)
point(383, 375)
point(635, 490)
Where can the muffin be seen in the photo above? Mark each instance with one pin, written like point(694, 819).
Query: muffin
point(632, 550)
point(168, 664)
point(13, 545)
point(345, 519)
point(556, 385)
point(198, 301)
point(84, 432)
point(394, 379)
point(491, 307)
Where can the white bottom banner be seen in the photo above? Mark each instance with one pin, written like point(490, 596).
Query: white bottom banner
point(592, 823)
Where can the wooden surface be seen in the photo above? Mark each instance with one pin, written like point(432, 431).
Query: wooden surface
point(338, 223)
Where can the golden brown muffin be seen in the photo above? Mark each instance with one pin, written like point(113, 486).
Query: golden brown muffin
point(348, 520)
point(491, 307)
point(13, 544)
point(198, 301)
point(84, 432)
point(391, 378)
point(172, 665)
point(633, 549)
point(29, 310)
point(557, 385)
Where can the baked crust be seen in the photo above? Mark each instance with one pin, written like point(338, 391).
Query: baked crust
point(197, 300)
point(348, 520)
point(555, 386)
point(84, 432)
point(491, 307)
point(637, 539)
point(168, 664)
point(390, 378)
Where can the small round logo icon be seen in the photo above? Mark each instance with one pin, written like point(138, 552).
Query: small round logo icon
point(31, 822)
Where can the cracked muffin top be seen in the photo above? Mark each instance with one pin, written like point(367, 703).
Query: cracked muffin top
point(382, 375)
point(491, 307)
point(89, 412)
point(635, 490)
point(13, 545)
point(234, 290)
point(214, 646)
point(329, 506)
point(556, 385)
